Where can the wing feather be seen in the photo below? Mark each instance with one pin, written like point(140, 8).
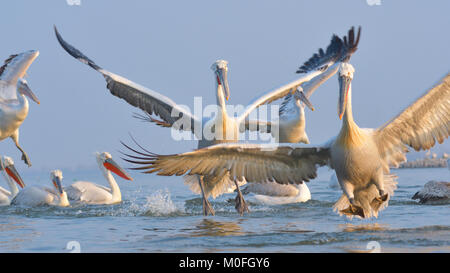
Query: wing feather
point(138, 96)
point(420, 126)
point(284, 163)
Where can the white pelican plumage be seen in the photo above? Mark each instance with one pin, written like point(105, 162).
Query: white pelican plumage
point(13, 103)
point(91, 193)
point(12, 177)
point(272, 193)
point(434, 192)
point(34, 196)
point(290, 127)
point(360, 157)
point(223, 126)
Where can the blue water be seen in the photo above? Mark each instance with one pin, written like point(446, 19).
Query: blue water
point(160, 214)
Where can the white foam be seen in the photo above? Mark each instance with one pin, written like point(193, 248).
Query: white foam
point(160, 203)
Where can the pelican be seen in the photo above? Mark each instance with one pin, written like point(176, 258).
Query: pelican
point(272, 193)
point(39, 196)
point(223, 127)
point(434, 192)
point(290, 127)
point(13, 103)
point(90, 193)
point(12, 177)
point(360, 157)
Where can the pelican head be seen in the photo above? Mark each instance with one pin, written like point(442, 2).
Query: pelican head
point(299, 95)
point(7, 165)
point(23, 88)
point(220, 68)
point(17, 65)
point(108, 163)
point(56, 177)
point(346, 71)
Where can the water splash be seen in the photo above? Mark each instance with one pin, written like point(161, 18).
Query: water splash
point(160, 204)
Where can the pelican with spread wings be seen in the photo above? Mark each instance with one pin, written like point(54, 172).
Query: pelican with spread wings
point(13, 103)
point(360, 157)
point(223, 127)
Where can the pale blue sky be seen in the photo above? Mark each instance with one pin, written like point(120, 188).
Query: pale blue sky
point(169, 47)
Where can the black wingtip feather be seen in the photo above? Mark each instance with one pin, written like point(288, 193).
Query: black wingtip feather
point(338, 49)
point(332, 52)
point(74, 52)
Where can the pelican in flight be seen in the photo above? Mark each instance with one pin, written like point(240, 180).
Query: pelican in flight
point(90, 193)
point(223, 127)
point(34, 196)
point(360, 157)
point(13, 103)
point(12, 177)
point(290, 127)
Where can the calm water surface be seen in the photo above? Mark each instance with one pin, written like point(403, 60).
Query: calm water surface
point(160, 214)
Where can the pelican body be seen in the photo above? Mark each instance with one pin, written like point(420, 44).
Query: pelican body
point(91, 193)
point(35, 196)
point(13, 103)
point(12, 178)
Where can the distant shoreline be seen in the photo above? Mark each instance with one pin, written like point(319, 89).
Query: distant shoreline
point(425, 163)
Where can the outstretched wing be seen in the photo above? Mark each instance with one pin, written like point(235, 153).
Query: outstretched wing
point(137, 95)
point(281, 163)
point(333, 52)
point(419, 126)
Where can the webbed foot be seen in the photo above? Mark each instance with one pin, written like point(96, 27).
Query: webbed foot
point(378, 201)
point(353, 210)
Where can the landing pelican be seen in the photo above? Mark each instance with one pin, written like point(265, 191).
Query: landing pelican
point(222, 128)
point(360, 157)
point(12, 177)
point(13, 103)
point(434, 192)
point(90, 193)
point(34, 196)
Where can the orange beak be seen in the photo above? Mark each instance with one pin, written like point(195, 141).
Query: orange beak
point(115, 168)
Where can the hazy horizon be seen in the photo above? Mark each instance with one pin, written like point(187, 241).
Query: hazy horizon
point(170, 46)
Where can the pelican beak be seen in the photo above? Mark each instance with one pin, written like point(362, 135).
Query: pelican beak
point(23, 88)
point(115, 168)
point(344, 86)
point(301, 96)
point(57, 184)
point(11, 171)
point(222, 79)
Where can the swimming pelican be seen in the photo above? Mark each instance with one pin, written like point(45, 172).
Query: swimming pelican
point(360, 157)
point(272, 193)
point(13, 103)
point(222, 128)
point(12, 177)
point(34, 196)
point(434, 192)
point(90, 193)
